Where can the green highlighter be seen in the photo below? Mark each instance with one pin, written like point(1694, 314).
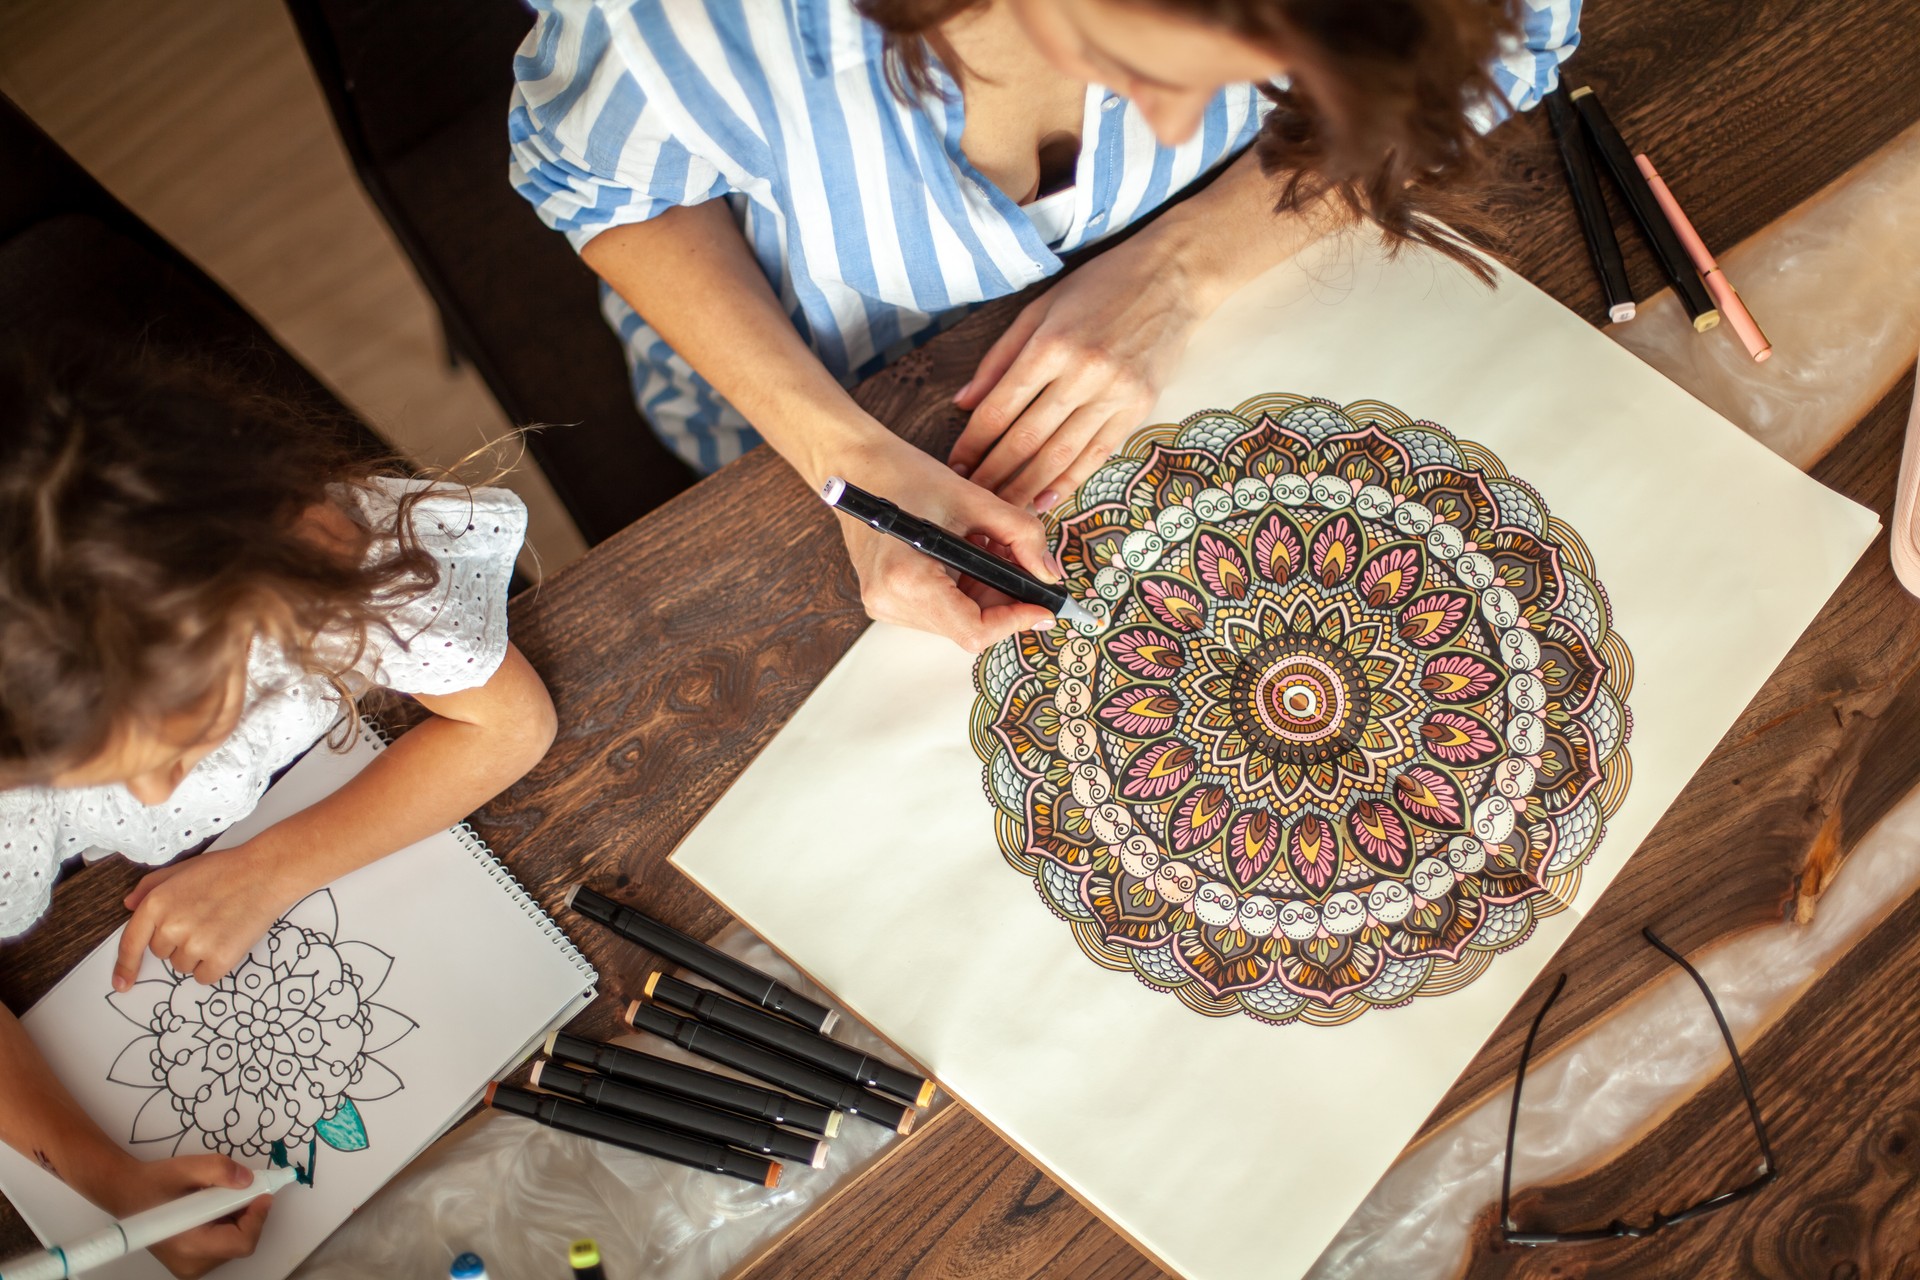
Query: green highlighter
point(584, 1258)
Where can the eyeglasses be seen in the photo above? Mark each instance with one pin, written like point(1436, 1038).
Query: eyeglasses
point(1617, 1229)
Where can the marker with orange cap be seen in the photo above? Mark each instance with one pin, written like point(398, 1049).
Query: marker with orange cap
point(1725, 296)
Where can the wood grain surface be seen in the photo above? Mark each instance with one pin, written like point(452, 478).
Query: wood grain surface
point(678, 648)
point(1841, 1102)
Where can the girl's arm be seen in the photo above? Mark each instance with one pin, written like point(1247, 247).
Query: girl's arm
point(202, 915)
point(688, 271)
point(1077, 371)
point(40, 1119)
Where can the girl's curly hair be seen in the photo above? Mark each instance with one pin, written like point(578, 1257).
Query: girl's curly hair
point(151, 516)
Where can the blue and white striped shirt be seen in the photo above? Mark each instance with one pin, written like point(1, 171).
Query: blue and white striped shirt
point(873, 226)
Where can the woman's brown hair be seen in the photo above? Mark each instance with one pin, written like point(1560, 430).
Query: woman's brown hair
point(1375, 115)
point(151, 523)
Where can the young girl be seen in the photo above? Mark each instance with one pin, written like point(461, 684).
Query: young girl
point(196, 583)
point(785, 195)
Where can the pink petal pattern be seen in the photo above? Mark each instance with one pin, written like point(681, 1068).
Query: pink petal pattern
point(1147, 653)
point(1381, 836)
point(1277, 550)
point(1392, 574)
point(1430, 796)
point(1459, 678)
point(1160, 770)
point(1429, 621)
point(1336, 549)
point(1253, 843)
point(1221, 567)
point(1454, 737)
point(1198, 817)
point(1313, 855)
point(1174, 603)
point(1140, 711)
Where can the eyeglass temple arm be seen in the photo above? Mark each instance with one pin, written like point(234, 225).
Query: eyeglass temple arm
point(1513, 1116)
point(1733, 1049)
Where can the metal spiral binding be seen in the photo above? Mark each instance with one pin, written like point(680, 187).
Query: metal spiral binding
point(498, 871)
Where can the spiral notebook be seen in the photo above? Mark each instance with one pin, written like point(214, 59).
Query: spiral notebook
point(366, 1023)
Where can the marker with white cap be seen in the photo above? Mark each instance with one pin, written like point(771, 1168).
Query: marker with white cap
point(130, 1235)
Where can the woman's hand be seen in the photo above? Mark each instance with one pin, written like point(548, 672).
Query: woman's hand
point(147, 1183)
point(203, 914)
point(1074, 375)
point(903, 586)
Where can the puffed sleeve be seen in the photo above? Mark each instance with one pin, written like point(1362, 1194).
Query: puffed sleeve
point(454, 635)
point(31, 850)
point(1528, 68)
point(591, 148)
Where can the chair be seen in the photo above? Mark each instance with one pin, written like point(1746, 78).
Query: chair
point(74, 259)
point(419, 92)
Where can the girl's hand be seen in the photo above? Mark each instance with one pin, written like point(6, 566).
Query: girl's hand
point(202, 915)
point(1074, 375)
point(196, 1252)
point(903, 586)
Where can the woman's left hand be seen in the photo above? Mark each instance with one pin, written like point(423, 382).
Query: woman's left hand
point(1075, 374)
point(203, 914)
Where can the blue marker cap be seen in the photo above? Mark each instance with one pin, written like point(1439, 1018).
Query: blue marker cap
point(468, 1267)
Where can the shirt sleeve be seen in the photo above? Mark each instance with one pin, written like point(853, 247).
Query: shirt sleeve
point(454, 636)
point(590, 149)
point(1528, 67)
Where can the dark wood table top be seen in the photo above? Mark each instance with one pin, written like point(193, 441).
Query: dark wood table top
point(678, 648)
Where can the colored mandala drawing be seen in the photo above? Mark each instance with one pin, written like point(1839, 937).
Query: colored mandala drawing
point(1353, 717)
point(278, 1051)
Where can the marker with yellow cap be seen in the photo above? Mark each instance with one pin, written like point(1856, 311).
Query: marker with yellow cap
point(584, 1257)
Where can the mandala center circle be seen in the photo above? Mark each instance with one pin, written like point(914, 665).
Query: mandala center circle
point(1300, 698)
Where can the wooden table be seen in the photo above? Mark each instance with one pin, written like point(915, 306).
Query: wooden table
point(678, 648)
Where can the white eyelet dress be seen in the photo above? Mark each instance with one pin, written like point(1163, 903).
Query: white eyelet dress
point(449, 639)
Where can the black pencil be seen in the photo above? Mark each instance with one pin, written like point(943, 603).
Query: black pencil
point(1591, 206)
point(743, 1020)
point(635, 1067)
point(715, 966)
point(1646, 210)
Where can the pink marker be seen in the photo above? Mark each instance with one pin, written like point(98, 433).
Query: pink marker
point(1724, 294)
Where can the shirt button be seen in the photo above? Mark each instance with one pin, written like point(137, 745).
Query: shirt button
point(1110, 103)
point(1096, 218)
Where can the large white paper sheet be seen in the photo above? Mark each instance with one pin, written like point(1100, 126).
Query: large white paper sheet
point(478, 969)
point(861, 845)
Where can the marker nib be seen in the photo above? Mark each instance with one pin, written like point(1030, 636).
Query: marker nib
point(1077, 614)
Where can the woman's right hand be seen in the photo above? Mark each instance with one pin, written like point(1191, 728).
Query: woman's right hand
point(146, 1183)
point(905, 587)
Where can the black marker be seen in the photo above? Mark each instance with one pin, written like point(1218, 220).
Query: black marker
point(749, 1023)
point(677, 1113)
point(775, 1068)
point(1646, 210)
point(724, 1092)
point(1591, 206)
point(953, 551)
point(648, 1139)
point(717, 967)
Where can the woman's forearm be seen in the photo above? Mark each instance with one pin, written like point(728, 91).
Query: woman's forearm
point(40, 1120)
point(1229, 234)
point(690, 274)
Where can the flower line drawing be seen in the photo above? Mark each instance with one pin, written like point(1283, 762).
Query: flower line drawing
point(280, 1050)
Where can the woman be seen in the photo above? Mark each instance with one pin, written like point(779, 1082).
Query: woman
point(793, 193)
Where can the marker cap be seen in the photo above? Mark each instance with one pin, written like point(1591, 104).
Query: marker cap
point(583, 1253)
point(467, 1266)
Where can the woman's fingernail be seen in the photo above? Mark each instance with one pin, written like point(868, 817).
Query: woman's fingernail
point(1059, 570)
point(1046, 499)
point(961, 394)
point(962, 470)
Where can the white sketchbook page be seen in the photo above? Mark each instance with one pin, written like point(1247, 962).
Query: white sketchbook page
point(860, 842)
point(476, 974)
